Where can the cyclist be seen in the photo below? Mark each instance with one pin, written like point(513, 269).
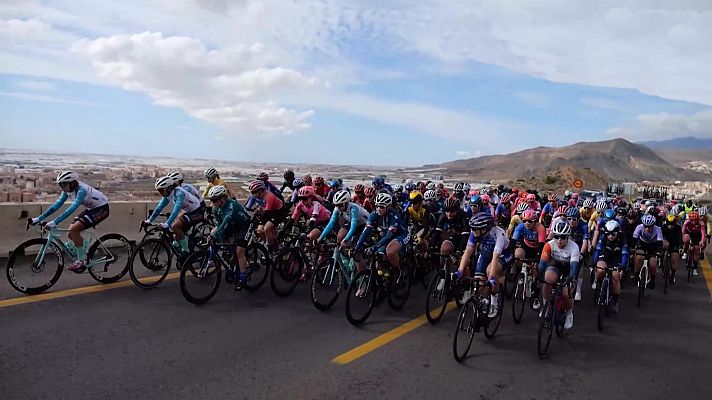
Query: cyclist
point(264, 177)
point(647, 240)
point(187, 210)
point(272, 210)
point(516, 219)
point(672, 242)
point(368, 203)
point(233, 223)
point(431, 204)
point(527, 242)
point(178, 177)
point(611, 249)
point(97, 210)
point(318, 216)
point(394, 234)
point(579, 235)
point(560, 257)
point(452, 229)
point(694, 233)
point(503, 212)
point(288, 181)
point(586, 210)
point(297, 184)
point(493, 254)
point(350, 217)
point(380, 185)
point(416, 213)
point(320, 186)
point(211, 174)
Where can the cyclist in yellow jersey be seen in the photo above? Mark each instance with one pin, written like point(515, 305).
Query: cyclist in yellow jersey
point(516, 218)
point(419, 215)
point(211, 174)
point(587, 210)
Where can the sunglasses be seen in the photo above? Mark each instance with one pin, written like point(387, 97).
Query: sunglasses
point(561, 237)
point(527, 221)
point(381, 207)
point(572, 219)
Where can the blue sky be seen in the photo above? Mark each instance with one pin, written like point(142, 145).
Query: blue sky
point(332, 82)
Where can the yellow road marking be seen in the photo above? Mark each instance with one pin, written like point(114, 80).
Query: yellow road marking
point(76, 291)
point(384, 339)
point(707, 272)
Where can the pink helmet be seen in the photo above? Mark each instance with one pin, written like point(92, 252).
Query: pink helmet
point(485, 199)
point(575, 196)
point(572, 203)
point(531, 197)
point(505, 198)
point(306, 191)
point(257, 186)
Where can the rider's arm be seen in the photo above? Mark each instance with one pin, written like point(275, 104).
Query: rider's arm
point(544, 260)
point(574, 262)
point(469, 250)
point(367, 231)
point(625, 255)
point(179, 199)
point(54, 207)
point(206, 190)
point(355, 215)
point(332, 223)
point(228, 216)
point(159, 207)
point(78, 200)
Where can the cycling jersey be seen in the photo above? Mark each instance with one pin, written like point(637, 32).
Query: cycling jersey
point(269, 203)
point(494, 242)
point(353, 217)
point(673, 234)
point(275, 191)
point(503, 215)
point(458, 224)
point(648, 236)
point(579, 233)
point(420, 217)
point(217, 182)
point(696, 229)
point(586, 213)
point(612, 251)
point(315, 212)
point(182, 201)
point(391, 224)
point(514, 222)
point(84, 195)
point(529, 237)
point(321, 190)
point(229, 216)
point(567, 257)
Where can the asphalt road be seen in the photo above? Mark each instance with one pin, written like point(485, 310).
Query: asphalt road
point(127, 343)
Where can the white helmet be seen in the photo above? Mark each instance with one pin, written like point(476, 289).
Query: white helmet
point(211, 173)
point(601, 205)
point(430, 186)
point(430, 195)
point(561, 228)
point(67, 176)
point(164, 182)
point(176, 175)
point(383, 199)
point(341, 197)
point(217, 191)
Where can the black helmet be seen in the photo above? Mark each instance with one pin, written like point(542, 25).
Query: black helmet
point(289, 175)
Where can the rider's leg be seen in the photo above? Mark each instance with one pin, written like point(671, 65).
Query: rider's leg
point(75, 235)
point(179, 234)
point(393, 253)
point(550, 278)
point(446, 248)
point(270, 234)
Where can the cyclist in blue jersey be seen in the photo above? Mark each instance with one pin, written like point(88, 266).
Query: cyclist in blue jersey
point(503, 212)
point(264, 177)
point(97, 210)
point(611, 249)
point(380, 185)
point(187, 210)
point(394, 234)
point(452, 229)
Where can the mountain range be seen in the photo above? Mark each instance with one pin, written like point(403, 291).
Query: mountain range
point(609, 160)
point(682, 150)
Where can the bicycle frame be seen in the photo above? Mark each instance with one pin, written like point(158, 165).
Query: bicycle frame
point(53, 237)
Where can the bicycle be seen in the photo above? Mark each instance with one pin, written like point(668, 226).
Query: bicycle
point(474, 317)
point(372, 285)
point(421, 261)
point(204, 269)
point(42, 253)
point(333, 274)
point(665, 263)
point(643, 281)
point(552, 317)
point(603, 296)
point(197, 235)
point(443, 288)
point(523, 290)
point(690, 263)
point(293, 263)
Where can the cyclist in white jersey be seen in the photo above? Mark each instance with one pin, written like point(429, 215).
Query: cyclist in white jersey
point(97, 210)
point(178, 177)
point(187, 210)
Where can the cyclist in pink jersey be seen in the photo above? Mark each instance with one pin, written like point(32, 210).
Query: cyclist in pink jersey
point(317, 214)
point(271, 208)
point(694, 232)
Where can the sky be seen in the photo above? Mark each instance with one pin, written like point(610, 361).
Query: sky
point(350, 82)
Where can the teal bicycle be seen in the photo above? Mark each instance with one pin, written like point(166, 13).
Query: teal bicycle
point(36, 264)
point(332, 275)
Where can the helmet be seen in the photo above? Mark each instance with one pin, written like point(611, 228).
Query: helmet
point(383, 199)
point(504, 198)
point(567, 193)
point(693, 216)
point(415, 196)
point(217, 191)
point(551, 197)
point(648, 220)
point(529, 214)
point(429, 195)
point(176, 175)
point(164, 182)
point(650, 210)
point(561, 210)
point(298, 182)
point(441, 185)
point(430, 185)
point(561, 228)
point(421, 187)
point(609, 214)
point(601, 205)
point(334, 183)
point(459, 187)
point(211, 173)
point(306, 192)
point(622, 211)
point(481, 220)
point(341, 197)
point(611, 226)
point(397, 188)
point(67, 176)
point(573, 212)
point(307, 180)
point(440, 192)
point(451, 204)
point(702, 210)
point(588, 203)
point(485, 199)
point(671, 218)
point(359, 188)
point(466, 187)
point(370, 191)
point(377, 181)
point(531, 197)
point(632, 214)
point(575, 196)
point(476, 200)
point(521, 207)
point(649, 203)
point(288, 175)
point(410, 186)
point(318, 180)
point(256, 186)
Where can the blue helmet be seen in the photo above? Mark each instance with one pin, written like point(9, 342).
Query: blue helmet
point(573, 212)
point(298, 182)
point(481, 220)
point(378, 181)
point(609, 214)
point(648, 220)
point(476, 200)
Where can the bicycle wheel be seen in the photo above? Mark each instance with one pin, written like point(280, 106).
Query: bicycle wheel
point(109, 258)
point(602, 304)
point(690, 267)
point(510, 281)
point(493, 323)
point(26, 275)
point(437, 297)
point(465, 329)
point(400, 288)
point(519, 299)
point(198, 238)
point(642, 279)
point(326, 284)
point(285, 275)
point(199, 281)
point(154, 256)
point(546, 328)
point(666, 273)
point(361, 297)
point(258, 266)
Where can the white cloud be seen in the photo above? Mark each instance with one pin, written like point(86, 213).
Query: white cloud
point(666, 126)
point(35, 86)
point(235, 87)
point(47, 99)
point(18, 28)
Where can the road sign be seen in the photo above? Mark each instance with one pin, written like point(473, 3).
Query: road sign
point(578, 183)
